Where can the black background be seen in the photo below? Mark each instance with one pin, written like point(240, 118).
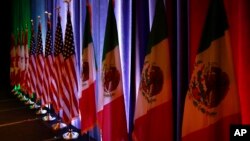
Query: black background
point(5, 32)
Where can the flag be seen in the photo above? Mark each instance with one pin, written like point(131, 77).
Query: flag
point(212, 102)
point(87, 103)
point(111, 115)
point(70, 82)
point(22, 60)
point(13, 60)
point(40, 67)
point(49, 69)
point(32, 61)
point(18, 60)
point(153, 118)
point(58, 63)
point(25, 83)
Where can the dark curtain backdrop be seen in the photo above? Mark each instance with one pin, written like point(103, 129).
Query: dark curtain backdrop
point(134, 19)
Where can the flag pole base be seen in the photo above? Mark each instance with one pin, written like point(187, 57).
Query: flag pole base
point(23, 98)
point(34, 106)
point(19, 96)
point(29, 102)
point(41, 111)
point(48, 117)
point(70, 135)
point(58, 126)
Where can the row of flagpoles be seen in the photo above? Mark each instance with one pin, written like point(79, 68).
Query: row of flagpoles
point(53, 77)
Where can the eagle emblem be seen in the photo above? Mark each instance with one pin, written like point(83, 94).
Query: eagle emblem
point(110, 79)
point(208, 86)
point(151, 81)
point(85, 73)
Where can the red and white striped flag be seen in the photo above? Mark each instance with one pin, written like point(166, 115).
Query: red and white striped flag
point(70, 70)
point(49, 69)
point(58, 63)
point(32, 61)
point(40, 67)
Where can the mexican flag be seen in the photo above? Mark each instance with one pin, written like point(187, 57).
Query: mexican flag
point(212, 102)
point(87, 105)
point(153, 119)
point(111, 107)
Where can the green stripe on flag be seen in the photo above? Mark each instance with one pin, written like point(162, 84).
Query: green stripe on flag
point(111, 35)
point(157, 35)
point(215, 24)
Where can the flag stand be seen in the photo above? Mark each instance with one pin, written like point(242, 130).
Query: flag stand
point(70, 134)
point(59, 124)
point(48, 117)
point(41, 111)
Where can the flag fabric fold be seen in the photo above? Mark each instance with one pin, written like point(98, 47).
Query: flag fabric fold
point(58, 63)
point(87, 105)
point(32, 61)
point(212, 102)
point(40, 67)
point(111, 107)
point(70, 70)
point(26, 82)
point(13, 60)
point(18, 60)
point(49, 70)
point(153, 118)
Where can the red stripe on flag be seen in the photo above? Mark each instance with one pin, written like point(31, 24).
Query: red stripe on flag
point(154, 126)
point(87, 104)
point(219, 131)
point(113, 123)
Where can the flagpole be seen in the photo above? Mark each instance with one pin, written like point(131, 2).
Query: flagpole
point(59, 124)
point(48, 117)
point(41, 110)
point(33, 105)
point(70, 134)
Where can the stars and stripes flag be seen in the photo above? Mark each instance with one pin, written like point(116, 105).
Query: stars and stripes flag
point(58, 63)
point(40, 67)
point(70, 70)
point(49, 69)
point(87, 105)
point(111, 106)
point(32, 61)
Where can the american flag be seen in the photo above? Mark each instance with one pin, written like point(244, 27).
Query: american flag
point(32, 61)
point(40, 67)
point(49, 73)
point(58, 63)
point(70, 82)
